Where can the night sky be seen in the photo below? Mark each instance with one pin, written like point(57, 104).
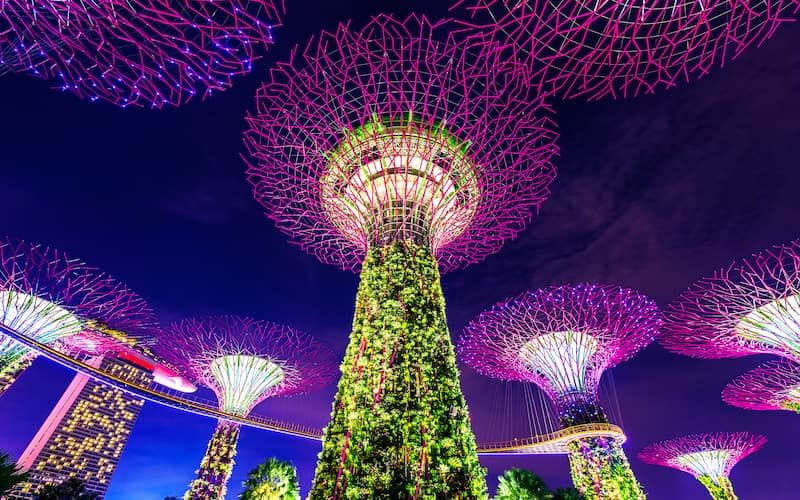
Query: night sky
point(652, 193)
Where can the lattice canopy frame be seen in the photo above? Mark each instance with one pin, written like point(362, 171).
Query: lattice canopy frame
point(708, 457)
point(244, 360)
point(561, 338)
point(752, 307)
point(150, 53)
point(772, 386)
point(594, 49)
point(398, 132)
point(50, 296)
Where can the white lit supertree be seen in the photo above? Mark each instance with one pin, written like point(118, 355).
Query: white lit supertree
point(772, 386)
point(244, 361)
point(51, 298)
point(562, 339)
point(708, 457)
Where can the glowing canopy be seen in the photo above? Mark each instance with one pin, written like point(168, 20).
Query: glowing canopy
point(37, 318)
point(705, 463)
point(775, 324)
point(562, 357)
point(751, 307)
point(243, 380)
point(712, 455)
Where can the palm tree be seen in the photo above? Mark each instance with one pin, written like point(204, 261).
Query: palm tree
point(273, 480)
point(520, 484)
point(71, 489)
point(10, 474)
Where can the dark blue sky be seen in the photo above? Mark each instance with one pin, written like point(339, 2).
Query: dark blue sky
point(653, 193)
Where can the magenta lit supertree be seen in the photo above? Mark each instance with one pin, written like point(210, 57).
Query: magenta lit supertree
point(562, 339)
point(595, 49)
point(752, 307)
point(772, 386)
point(708, 457)
point(401, 151)
point(51, 297)
point(244, 361)
point(137, 52)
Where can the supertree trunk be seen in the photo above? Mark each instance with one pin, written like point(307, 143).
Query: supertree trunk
point(600, 470)
point(399, 426)
point(217, 464)
point(720, 489)
point(10, 372)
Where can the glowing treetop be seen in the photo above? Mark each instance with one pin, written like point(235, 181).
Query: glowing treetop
point(748, 308)
point(708, 457)
point(245, 361)
point(599, 48)
point(561, 338)
point(772, 386)
point(50, 297)
point(396, 131)
point(150, 53)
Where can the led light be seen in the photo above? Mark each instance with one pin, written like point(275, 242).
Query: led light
point(562, 357)
point(706, 463)
point(34, 317)
point(776, 324)
point(385, 181)
point(243, 380)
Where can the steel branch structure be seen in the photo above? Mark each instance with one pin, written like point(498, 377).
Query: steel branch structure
point(594, 49)
point(244, 361)
point(150, 53)
point(389, 133)
point(772, 386)
point(752, 307)
point(52, 297)
point(562, 339)
point(708, 457)
point(398, 150)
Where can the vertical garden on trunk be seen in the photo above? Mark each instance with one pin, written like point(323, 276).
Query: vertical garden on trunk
point(399, 426)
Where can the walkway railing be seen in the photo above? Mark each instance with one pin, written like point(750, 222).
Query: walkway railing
point(551, 443)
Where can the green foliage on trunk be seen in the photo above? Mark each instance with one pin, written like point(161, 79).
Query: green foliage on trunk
point(720, 489)
point(273, 480)
point(600, 470)
point(217, 464)
point(399, 426)
point(11, 370)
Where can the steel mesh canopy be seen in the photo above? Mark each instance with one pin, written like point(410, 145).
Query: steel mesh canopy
point(593, 48)
point(748, 308)
point(560, 338)
point(712, 454)
point(399, 131)
point(137, 52)
point(48, 295)
point(244, 360)
point(772, 386)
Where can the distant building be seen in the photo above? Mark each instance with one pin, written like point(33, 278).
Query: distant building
point(85, 433)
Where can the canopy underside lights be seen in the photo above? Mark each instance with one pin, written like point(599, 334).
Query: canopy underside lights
point(35, 317)
point(243, 380)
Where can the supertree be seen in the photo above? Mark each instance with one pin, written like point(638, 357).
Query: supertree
point(772, 386)
point(595, 49)
point(752, 307)
point(244, 361)
point(137, 52)
point(562, 339)
point(52, 298)
point(401, 151)
point(708, 457)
